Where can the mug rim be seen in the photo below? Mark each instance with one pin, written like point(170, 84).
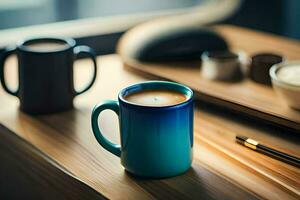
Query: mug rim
point(142, 85)
point(69, 41)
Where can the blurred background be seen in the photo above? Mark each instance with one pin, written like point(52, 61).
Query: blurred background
point(276, 16)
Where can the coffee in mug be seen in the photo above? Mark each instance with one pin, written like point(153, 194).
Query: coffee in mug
point(156, 127)
point(156, 97)
point(46, 82)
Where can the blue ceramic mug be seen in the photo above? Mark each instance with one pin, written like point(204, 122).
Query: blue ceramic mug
point(155, 141)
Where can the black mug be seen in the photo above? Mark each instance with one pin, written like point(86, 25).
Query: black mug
point(46, 74)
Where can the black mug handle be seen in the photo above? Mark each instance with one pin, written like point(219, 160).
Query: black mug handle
point(91, 54)
point(5, 54)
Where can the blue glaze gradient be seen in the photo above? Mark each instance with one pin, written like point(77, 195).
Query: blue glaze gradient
point(156, 142)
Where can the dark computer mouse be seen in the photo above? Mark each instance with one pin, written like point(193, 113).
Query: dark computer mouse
point(169, 42)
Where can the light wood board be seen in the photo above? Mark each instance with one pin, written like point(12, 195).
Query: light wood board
point(246, 96)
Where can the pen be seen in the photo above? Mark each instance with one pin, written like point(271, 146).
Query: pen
point(252, 144)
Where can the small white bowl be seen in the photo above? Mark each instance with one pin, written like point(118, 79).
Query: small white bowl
point(289, 92)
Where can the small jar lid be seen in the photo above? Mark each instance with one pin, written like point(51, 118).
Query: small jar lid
point(220, 55)
point(260, 66)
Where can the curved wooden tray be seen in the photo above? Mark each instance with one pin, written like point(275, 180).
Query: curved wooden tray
point(246, 96)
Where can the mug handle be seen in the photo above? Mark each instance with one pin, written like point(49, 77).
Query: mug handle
point(91, 54)
point(5, 54)
point(105, 143)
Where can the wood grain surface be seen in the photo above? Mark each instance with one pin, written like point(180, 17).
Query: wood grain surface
point(221, 169)
point(246, 96)
point(27, 173)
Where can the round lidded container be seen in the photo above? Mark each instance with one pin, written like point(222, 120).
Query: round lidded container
point(221, 65)
point(260, 66)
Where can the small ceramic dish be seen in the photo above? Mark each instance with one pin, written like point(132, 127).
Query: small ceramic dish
point(222, 65)
point(287, 82)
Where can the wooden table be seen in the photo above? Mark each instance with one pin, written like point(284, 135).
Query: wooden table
point(57, 156)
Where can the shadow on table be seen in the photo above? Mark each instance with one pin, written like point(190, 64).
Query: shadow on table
point(196, 183)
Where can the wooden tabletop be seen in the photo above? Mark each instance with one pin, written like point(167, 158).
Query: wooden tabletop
point(221, 169)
